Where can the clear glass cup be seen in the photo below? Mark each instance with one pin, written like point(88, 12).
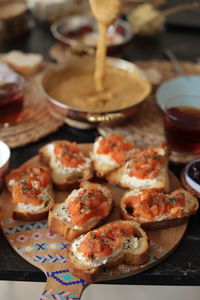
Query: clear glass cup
point(12, 87)
point(182, 123)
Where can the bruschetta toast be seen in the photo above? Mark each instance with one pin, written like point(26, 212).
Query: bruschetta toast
point(32, 192)
point(114, 243)
point(155, 210)
point(67, 163)
point(83, 210)
point(110, 153)
point(146, 169)
point(24, 63)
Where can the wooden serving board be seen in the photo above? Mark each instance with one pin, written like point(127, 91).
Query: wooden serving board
point(34, 243)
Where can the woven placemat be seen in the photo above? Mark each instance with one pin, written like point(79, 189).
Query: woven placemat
point(146, 128)
point(35, 121)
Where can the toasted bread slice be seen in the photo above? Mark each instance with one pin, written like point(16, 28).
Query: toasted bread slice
point(39, 214)
point(110, 153)
point(146, 169)
point(114, 243)
point(24, 63)
point(83, 210)
point(155, 210)
point(32, 192)
point(68, 164)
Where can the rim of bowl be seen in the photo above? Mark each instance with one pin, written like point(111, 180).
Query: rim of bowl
point(4, 158)
point(54, 30)
point(188, 179)
point(124, 65)
point(161, 103)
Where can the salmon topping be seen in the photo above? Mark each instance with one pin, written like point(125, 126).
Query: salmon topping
point(105, 240)
point(151, 204)
point(91, 202)
point(30, 182)
point(68, 154)
point(116, 147)
point(146, 164)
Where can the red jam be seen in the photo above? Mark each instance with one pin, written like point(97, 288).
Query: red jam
point(78, 33)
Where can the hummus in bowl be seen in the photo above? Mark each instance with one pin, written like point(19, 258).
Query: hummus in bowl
point(72, 95)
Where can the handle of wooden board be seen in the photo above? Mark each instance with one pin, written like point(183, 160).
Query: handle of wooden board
point(61, 285)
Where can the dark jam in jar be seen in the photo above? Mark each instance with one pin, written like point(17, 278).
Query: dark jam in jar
point(194, 172)
point(11, 95)
point(78, 33)
point(182, 128)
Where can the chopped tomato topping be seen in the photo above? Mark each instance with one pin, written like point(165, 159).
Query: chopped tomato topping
point(150, 204)
point(105, 240)
point(30, 181)
point(91, 202)
point(68, 154)
point(26, 196)
point(116, 147)
point(16, 174)
point(146, 164)
point(92, 246)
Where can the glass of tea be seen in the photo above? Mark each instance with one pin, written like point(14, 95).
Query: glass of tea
point(12, 87)
point(182, 123)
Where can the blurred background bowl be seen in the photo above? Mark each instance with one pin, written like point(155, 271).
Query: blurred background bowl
point(15, 20)
point(85, 118)
point(4, 161)
point(80, 33)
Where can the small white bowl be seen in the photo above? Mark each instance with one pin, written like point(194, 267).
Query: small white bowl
point(193, 184)
point(4, 160)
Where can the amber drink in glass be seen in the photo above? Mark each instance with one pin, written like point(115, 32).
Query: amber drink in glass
point(12, 87)
point(182, 123)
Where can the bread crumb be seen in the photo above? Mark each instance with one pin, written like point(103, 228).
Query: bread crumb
point(153, 75)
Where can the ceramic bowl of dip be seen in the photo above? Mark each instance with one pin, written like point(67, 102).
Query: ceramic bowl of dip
point(81, 33)
point(4, 161)
point(73, 98)
point(190, 177)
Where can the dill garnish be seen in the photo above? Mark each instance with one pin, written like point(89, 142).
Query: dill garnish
point(173, 199)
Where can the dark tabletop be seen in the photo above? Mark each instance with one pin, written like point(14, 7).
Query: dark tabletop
point(182, 267)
